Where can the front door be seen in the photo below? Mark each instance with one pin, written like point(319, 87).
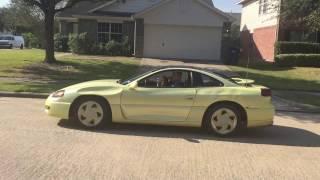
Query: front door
point(164, 96)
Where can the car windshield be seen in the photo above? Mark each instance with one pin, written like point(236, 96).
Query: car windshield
point(133, 78)
point(5, 38)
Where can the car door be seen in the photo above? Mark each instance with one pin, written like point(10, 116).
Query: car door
point(160, 97)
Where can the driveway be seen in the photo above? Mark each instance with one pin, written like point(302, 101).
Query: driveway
point(35, 146)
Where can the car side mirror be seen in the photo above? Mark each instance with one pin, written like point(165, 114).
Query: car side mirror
point(133, 85)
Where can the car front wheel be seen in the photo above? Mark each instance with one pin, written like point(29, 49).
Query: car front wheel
point(223, 120)
point(91, 113)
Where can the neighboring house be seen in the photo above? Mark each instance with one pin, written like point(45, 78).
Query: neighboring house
point(260, 29)
point(170, 29)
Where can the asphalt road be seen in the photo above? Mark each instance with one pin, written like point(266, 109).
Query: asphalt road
point(35, 146)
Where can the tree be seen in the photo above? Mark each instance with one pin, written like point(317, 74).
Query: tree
point(301, 13)
point(49, 9)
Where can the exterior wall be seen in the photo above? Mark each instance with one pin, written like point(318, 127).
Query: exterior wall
point(90, 27)
point(258, 31)
point(128, 31)
point(184, 13)
point(251, 19)
point(139, 38)
point(264, 40)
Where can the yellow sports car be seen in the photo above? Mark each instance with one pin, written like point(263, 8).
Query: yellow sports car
point(169, 96)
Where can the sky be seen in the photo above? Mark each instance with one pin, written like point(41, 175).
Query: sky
point(225, 5)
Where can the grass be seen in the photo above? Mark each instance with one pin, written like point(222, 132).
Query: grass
point(288, 79)
point(23, 70)
point(278, 78)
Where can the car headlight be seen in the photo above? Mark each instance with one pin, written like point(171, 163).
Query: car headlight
point(58, 94)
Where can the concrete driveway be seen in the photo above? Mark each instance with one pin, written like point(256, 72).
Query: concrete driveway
point(35, 146)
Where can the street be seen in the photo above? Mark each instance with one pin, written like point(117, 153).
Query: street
point(35, 146)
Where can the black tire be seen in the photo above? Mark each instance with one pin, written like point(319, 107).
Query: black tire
point(207, 119)
point(106, 115)
point(21, 47)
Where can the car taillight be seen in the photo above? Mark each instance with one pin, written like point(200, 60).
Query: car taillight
point(266, 92)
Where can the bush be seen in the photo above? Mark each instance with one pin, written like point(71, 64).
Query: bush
point(297, 48)
point(114, 48)
point(61, 43)
point(30, 40)
point(302, 60)
point(80, 44)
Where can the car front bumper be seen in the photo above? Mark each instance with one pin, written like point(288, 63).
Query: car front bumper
point(55, 108)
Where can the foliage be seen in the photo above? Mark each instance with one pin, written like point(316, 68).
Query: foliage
point(61, 43)
point(49, 9)
point(300, 60)
point(301, 13)
point(19, 19)
point(80, 43)
point(284, 47)
point(30, 40)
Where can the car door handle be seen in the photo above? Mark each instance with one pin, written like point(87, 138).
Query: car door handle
point(188, 98)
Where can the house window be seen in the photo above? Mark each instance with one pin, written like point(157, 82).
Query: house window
point(264, 6)
point(109, 31)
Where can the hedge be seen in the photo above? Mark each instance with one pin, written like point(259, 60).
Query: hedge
point(302, 60)
point(284, 47)
point(80, 44)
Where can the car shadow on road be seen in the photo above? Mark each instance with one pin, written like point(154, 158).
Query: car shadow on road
point(274, 135)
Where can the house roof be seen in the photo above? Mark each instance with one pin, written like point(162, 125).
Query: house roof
point(245, 1)
point(90, 8)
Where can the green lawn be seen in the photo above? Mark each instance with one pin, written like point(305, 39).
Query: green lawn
point(277, 78)
point(23, 70)
point(296, 78)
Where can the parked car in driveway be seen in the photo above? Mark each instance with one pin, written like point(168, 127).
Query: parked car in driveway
point(10, 41)
point(169, 96)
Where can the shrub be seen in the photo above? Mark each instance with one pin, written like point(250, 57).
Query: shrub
point(114, 48)
point(284, 47)
point(80, 44)
point(61, 43)
point(303, 60)
point(30, 40)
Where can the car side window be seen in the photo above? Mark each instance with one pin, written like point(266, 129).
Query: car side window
point(167, 79)
point(202, 80)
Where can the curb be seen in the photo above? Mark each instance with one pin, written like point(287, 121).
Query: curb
point(24, 95)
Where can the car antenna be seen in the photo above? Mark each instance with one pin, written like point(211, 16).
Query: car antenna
point(248, 59)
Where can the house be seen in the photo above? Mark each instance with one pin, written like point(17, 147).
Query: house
point(169, 29)
point(261, 28)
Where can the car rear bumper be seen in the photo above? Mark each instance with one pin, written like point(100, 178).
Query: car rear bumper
point(57, 109)
point(258, 117)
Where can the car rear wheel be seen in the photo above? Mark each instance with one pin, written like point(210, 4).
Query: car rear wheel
point(21, 47)
point(223, 120)
point(91, 113)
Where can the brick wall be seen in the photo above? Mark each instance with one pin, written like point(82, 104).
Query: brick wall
point(262, 43)
point(264, 39)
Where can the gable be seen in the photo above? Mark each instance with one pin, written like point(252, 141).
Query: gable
point(183, 12)
point(130, 6)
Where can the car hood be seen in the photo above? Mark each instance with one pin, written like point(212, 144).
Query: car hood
point(97, 85)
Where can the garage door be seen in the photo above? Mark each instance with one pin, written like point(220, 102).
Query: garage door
point(182, 42)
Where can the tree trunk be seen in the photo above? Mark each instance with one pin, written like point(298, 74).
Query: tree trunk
point(49, 36)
